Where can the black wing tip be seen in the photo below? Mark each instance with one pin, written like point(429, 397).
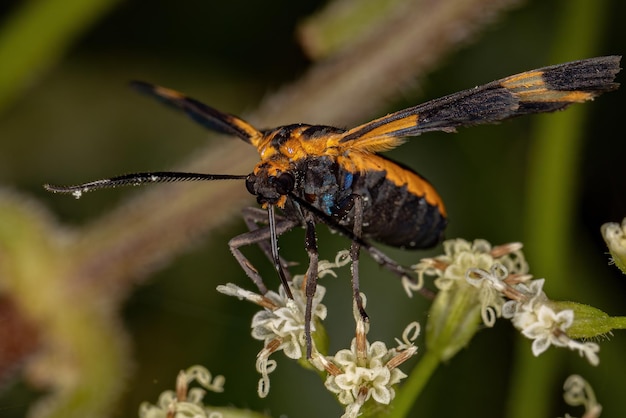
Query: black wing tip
point(594, 75)
point(610, 66)
point(610, 63)
point(613, 67)
point(614, 60)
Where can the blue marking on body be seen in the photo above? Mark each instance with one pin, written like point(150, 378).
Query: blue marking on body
point(349, 177)
point(327, 203)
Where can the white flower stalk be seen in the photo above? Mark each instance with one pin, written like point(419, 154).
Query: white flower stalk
point(578, 392)
point(185, 402)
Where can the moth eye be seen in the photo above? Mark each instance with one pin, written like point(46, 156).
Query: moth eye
point(284, 183)
point(250, 180)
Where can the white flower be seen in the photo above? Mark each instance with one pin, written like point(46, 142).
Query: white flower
point(497, 278)
point(577, 392)
point(531, 313)
point(615, 235)
point(587, 349)
point(371, 374)
point(367, 370)
point(282, 319)
point(548, 328)
point(491, 288)
point(615, 238)
point(285, 322)
point(281, 323)
point(185, 402)
point(461, 255)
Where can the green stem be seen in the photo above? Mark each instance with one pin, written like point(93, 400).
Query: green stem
point(413, 385)
point(554, 156)
point(618, 322)
point(453, 320)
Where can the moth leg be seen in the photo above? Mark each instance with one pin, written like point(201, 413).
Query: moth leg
point(310, 243)
point(385, 261)
point(260, 236)
point(393, 266)
point(358, 241)
point(253, 217)
point(355, 249)
point(356, 201)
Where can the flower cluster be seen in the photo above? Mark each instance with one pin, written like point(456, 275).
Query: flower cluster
point(185, 402)
point(364, 371)
point(460, 255)
point(367, 370)
point(499, 280)
point(476, 282)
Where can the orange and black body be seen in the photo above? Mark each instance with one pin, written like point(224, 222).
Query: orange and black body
point(400, 208)
point(321, 174)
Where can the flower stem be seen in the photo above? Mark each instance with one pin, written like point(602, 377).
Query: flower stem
point(554, 155)
point(412, 387)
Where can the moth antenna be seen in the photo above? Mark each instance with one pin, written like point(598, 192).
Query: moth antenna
point(138, 179)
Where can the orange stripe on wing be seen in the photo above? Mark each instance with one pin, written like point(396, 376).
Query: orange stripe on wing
point(531, 87)
point(523, 81)
point(254, 135)
point(378, 135)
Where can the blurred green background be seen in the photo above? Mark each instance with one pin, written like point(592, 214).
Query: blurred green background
point(77, 120)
